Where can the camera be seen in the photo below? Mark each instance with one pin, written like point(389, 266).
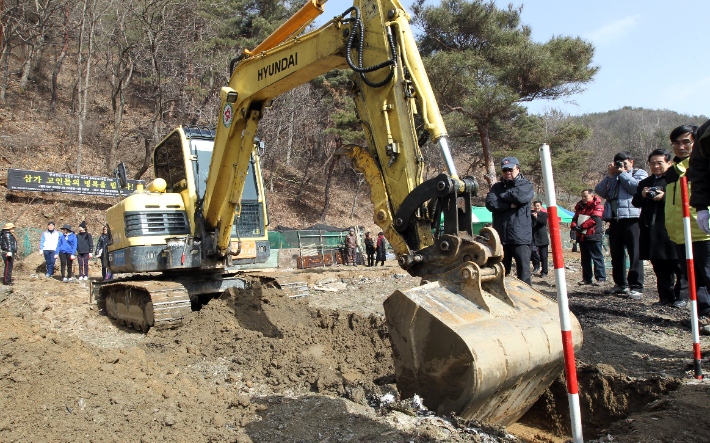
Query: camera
point(652, 193)
point(618, 164)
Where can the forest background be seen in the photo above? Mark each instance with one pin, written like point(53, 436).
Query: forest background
point(85, 84)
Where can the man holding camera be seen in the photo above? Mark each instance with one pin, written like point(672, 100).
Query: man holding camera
point(618, 188)
point(655, 245)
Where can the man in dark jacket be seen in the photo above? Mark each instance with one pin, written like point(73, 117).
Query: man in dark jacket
point(540, 238)
point(587, 225)
point(509, 201)
point(699, 175)
point(8, 245)
point(84, 249)
point(654, 243)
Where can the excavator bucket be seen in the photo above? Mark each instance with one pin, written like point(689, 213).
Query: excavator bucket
point(485, 350)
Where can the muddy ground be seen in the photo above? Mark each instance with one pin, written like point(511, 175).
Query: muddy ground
point(259, 366)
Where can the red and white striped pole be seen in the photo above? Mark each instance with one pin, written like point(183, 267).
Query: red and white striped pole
point(691, 277)
point(562, 301)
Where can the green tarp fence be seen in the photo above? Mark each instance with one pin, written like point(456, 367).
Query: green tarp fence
point(306, 238)
point(27, 239)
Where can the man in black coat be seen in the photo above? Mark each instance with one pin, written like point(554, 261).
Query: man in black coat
point(699, 175)
point(540, 238)
point(654, 243)
point(509, 201)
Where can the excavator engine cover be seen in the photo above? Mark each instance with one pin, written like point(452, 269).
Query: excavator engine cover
point(487, 357)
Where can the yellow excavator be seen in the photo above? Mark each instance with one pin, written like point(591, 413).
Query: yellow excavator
point(469, 340)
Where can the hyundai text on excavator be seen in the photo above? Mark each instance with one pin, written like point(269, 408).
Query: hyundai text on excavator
point(469, 340)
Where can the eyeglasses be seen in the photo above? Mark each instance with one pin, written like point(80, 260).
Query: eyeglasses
point(508, 169)
point(685, 142)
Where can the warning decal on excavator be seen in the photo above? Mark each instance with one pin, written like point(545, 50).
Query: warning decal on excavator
point(227, 115)
point(248, 249)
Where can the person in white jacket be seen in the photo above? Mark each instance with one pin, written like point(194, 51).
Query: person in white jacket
point(48, 246)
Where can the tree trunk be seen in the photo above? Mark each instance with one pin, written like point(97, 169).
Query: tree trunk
point(60, 61)
point(26, 67)
point(119, 105)
point(488, 159)
point(85, 99)
point(338, 144)
point(359, 185)
point(289, 146)
point(6, 75)
point(79, 59)
point(147, 160)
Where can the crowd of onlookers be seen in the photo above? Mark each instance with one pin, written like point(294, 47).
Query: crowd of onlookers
point(63, 245)
point(641, 214)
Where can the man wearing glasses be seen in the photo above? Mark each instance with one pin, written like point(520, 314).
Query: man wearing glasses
point(683, 142)
point(509, 201)
point(618, 188)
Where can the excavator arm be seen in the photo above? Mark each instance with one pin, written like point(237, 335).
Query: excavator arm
point(469, 340)
point(390, 86)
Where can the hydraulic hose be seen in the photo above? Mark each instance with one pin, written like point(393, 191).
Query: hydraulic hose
point(358, 29)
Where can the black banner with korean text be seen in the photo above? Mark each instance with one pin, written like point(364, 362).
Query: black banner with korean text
point(42, 181)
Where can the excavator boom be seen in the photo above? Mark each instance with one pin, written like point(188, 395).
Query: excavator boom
point(469, 340)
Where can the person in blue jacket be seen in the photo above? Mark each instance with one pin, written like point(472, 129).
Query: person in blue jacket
point(66, 252)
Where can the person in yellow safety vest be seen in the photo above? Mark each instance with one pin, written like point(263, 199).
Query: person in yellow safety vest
point(683, 140)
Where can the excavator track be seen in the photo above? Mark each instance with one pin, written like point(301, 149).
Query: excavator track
point(146, 304)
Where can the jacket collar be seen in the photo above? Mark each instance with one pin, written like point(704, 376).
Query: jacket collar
point(505, 182)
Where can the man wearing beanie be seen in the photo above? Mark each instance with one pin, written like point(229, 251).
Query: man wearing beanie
point(84, 248)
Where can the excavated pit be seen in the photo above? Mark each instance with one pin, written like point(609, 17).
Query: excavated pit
point(605, 397)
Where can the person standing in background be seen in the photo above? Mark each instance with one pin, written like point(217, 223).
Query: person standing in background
point(654, 243)
point(618, 188)
point(541, 239)
point(381, 248)
point(48, 247)
point(509, 202)
point(8, 245)
point(66, 252)
point(587, 225)
point(683, 143)
point(351, 248)
point(84, 248)
point(102, 253)
point(370, 249)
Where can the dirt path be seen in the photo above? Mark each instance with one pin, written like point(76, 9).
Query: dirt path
point(259, 366)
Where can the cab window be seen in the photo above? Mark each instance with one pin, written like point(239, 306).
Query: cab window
point(169, 163)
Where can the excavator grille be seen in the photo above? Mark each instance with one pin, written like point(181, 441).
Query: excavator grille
point(140, 224)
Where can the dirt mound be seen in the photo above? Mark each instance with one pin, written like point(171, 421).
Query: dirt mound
point(604, 396)
point(271, 338)
point(61, 389)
